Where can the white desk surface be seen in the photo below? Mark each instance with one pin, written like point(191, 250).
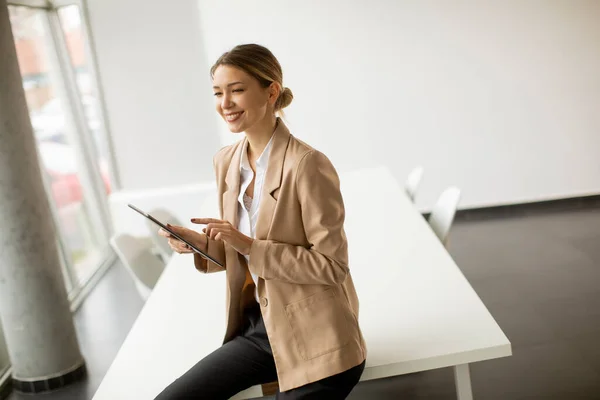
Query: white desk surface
point(417, 310)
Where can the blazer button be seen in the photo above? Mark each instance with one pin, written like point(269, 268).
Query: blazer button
point(264, 301)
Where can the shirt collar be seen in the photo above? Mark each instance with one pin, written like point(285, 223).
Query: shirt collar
point(261, 162)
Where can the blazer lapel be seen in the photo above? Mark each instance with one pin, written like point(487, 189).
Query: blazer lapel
point(272, 180)
point(232, 179)
point(235, 269)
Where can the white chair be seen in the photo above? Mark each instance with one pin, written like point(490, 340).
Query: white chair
point(443, 213)
point(160, 243)
point(413, 181)
point(136, 255)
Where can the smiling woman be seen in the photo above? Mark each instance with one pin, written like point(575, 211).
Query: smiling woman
point(293, 309)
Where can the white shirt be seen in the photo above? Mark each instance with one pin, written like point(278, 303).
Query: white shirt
point(248, 209)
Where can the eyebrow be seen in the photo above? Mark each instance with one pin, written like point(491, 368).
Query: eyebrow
point(231, 84)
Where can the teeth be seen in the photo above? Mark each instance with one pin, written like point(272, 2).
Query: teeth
point(232, 117)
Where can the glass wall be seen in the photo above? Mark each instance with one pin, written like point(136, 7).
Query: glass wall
point(57, 73)
point(80, 61)
point(66, 118)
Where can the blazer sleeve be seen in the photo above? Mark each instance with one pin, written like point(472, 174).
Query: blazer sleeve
point(213, 248)
point(325, 260)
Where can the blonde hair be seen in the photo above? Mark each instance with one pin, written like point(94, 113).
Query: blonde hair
point(261, 64)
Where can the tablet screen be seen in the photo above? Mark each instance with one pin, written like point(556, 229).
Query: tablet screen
point(176, 236)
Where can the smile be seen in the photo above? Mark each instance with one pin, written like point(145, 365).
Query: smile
point(233, 117)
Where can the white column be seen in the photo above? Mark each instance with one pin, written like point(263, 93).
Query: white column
point(34, 308)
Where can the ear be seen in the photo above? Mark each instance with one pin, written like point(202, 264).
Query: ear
point(274, 90)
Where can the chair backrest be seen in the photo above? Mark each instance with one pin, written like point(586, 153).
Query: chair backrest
point(160, 243)
point(136, 255)
point(413, 181)
point(443, 212)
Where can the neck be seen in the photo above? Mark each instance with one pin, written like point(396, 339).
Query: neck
point(259, 135)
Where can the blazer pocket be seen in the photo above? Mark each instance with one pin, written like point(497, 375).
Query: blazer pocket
point(319, 324)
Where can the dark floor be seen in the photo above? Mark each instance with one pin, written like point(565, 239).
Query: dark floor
point(102, 323)
point(539, 275)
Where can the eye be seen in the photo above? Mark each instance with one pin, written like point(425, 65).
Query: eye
point(238, 90)
point(217, 94)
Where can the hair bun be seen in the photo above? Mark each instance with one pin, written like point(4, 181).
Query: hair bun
point(284, 100)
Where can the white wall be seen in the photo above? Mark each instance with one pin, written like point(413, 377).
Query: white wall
point(499, 98)
point(157, 89)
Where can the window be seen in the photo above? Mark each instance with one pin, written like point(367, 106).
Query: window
point(79, 56)
point(55, 63)
point(58, 78)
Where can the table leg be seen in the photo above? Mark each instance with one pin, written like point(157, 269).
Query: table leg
point(462, 379)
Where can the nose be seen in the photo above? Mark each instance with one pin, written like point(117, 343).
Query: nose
point(226, 101)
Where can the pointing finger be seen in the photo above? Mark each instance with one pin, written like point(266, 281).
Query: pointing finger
point(204, 221)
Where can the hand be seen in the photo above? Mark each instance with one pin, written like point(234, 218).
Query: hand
point(217, 229)
point(188, 234)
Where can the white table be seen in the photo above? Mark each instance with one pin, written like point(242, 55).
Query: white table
point(417, 311)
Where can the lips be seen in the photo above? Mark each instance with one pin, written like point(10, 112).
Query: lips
point(232, 117)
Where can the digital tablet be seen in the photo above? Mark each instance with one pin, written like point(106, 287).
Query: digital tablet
point(176, 236)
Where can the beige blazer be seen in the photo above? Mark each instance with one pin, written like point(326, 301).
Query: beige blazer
point(300, 254)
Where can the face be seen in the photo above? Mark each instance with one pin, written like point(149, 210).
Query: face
point(240, 100)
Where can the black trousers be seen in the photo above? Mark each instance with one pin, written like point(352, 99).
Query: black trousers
point(246, 361)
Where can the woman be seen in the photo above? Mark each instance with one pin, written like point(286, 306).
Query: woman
point(292, 307)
